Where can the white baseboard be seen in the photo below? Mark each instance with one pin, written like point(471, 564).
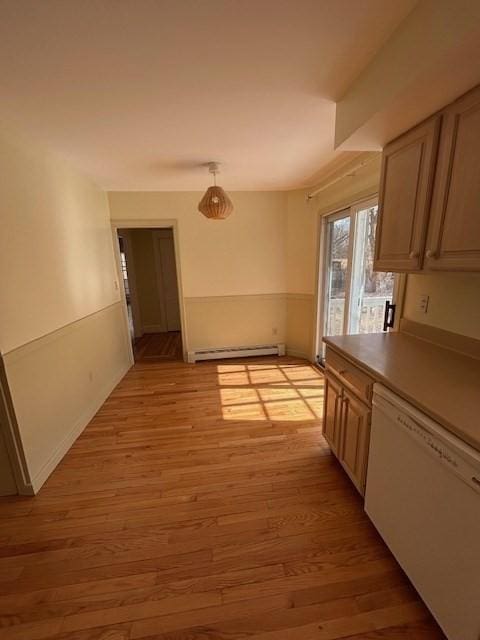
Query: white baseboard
point(39, 479)
point(235, 352)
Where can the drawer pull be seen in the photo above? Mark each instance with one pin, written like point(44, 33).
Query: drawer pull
point(431, 254)
point(413, 254)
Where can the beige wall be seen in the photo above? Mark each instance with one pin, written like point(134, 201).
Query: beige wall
point(56, 275)
point(454, 301)
point(243, 254)
point(301, 243)
point(301, 257)
point(235, 321)
point(59, 381)
point(426, 63)
point(56, 261)
point(229, 268)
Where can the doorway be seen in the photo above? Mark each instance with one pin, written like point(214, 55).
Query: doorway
point(148, 268)
point(354, 295)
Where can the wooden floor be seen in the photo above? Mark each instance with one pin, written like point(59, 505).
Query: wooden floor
point(202, 503)
point(158, 347)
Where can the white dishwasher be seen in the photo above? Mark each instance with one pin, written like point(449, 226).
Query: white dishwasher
point(423, 495)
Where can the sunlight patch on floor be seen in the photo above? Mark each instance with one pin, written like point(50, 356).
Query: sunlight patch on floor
point(270, 392)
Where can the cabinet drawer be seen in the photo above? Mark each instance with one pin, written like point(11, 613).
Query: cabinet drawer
point(352, 377)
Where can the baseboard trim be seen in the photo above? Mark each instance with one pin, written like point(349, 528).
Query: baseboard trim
point(40, 478)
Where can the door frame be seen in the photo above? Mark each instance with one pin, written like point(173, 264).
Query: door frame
point(150, 224)
point(12, 438)
point(339, 215)
point(322, 265)
point(132, 283)
point(157, 253)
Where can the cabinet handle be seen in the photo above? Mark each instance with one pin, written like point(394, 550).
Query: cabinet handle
point(431, 254)
point(413, 254)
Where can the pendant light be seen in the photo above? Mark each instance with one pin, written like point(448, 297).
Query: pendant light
point(215, 204)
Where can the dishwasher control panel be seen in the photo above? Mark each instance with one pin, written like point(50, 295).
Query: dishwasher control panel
point(449, 450)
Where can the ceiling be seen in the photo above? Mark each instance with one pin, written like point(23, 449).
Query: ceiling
point(139, 93)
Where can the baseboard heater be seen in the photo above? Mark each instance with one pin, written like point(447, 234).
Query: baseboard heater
point(236, 352)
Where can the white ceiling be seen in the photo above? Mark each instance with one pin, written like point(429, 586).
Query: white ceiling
point(139, 93)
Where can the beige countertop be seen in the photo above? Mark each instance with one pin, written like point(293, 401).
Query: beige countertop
point(440, 382)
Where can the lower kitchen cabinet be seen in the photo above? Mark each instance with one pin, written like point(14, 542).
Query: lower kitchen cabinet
point(354, 438)
point(346, 427)
point(332, 412)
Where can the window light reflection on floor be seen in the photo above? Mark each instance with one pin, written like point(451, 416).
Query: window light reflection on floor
point(270, 392)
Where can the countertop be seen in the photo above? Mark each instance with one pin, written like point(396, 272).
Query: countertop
point(440, 382)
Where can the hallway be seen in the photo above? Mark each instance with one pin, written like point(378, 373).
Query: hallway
point(158, 347)
point(202, 502)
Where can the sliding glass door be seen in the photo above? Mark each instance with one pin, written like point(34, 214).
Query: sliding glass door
point(337, 274)
point(355, 295)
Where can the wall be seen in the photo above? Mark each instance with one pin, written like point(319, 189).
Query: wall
point(63, 343)
point(425, 64)
point(301, 269)
point(230, 269)
point(454, 301)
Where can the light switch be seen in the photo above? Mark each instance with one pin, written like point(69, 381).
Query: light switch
point(423, 302)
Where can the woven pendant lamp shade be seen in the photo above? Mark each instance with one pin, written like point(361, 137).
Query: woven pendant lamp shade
point(215, 204)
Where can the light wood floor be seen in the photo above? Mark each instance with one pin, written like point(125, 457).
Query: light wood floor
point(202, 503)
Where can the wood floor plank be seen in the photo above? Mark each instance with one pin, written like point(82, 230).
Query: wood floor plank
point(202, 502)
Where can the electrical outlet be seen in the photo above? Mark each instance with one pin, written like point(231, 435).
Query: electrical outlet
point(423, 302)
point(274, 331)
point(90, 376)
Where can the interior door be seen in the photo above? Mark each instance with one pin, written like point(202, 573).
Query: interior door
point(168, 284)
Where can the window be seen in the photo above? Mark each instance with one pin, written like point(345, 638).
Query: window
point(355, 294)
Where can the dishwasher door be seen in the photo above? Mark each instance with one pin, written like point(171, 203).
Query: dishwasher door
point(423, 496)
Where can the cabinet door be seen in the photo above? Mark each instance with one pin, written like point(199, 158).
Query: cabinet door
point(332, 412)
point(354, 439)
point(408, 169)
point(454, 231)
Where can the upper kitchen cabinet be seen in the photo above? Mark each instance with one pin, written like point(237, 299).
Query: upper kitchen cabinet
point(429, 213)
point(408, 169)
point(454, 231)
